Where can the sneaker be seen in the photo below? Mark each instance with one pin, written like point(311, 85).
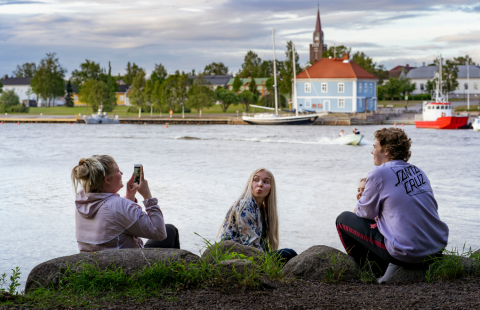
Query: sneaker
point(391, 270)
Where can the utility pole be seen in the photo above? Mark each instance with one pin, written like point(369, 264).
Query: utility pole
point(468, 86)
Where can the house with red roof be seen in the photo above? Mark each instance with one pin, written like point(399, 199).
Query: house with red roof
point(336, 85)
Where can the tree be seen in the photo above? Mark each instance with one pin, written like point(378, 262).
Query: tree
point(464, 60)
point(252, 86)
point(173, 91)
point(1, 86)
point(95, 93)
point(216, 68)
point(9, 98)
point(68, 96)
point(251, 66)
point(200, 96)
point(28, 69)
point(287, 72)
point(361, 59)
point(392, 88)
point(226, 98)
point(430, 86)
point(48, 81)
point(159, 74)
point(132, 71)
point(88, 70)
point(268, 101)
point(237, 83)
point(449, 75)
point(247, 98)
point(336, 51)
point(136, 95)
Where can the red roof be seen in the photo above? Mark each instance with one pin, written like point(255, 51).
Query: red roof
point(335, 68)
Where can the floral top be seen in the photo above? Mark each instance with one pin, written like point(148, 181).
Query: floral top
point(246, 227)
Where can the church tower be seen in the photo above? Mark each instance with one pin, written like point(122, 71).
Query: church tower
point(317, 48)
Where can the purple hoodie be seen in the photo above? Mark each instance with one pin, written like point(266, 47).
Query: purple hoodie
point(107, 221)
point(401, 196)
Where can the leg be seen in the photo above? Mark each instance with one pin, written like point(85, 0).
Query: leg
point(363, 241)
point(172, 241)
point(284, 254)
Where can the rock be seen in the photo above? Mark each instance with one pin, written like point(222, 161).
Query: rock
point(239, 265)
point(317, 261)
point(217, 250)
point(477, 252)
point(131, 260)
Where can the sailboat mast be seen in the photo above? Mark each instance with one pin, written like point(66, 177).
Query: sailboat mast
point(275, 73)
point(440, 78)
point(294, 92)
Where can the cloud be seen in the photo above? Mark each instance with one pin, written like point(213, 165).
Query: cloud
point(19, 2)
point(463, 38)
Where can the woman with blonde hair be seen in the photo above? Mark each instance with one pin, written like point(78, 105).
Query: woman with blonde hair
point(104, 220)
point(253, 219)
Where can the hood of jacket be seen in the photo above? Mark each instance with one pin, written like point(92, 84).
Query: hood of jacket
point(88, 205)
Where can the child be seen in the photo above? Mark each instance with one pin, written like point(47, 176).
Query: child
point(361, 188)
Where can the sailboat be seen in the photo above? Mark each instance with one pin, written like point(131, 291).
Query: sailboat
point(274, 118)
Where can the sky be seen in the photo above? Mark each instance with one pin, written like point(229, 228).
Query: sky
point(189, 34)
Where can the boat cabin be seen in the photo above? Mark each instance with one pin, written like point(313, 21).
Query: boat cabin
point(434, 110)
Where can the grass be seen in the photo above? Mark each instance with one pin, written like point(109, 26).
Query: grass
point(336, 267)
point(473, 108)
point(451, 265)
point(87, 285)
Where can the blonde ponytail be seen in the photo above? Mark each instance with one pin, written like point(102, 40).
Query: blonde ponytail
point(90, 172)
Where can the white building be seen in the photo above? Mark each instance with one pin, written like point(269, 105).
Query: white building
point(22, 88)
point(421, 75)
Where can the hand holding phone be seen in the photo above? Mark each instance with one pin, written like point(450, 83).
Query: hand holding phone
point(142, 185)
point(136, 172)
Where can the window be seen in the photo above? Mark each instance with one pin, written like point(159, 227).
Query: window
point(360, 88)
point(308, 87)
point(371, 87)
point(121, 98)
point(308, 103)
point(341, 87)
point(475, 86)
point(75, 98)
point(324, 87)
point(422, 86)
point(366, 89)
point(466, 86)
point(341, 103)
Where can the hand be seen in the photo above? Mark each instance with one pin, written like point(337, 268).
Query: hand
point(131, 190)
point(355, 210)
point(142, 188)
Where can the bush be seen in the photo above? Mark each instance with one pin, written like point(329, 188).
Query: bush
point(4, 108)
point(156, 109)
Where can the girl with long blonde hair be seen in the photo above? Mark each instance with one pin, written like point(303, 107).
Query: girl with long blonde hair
point(253, 218)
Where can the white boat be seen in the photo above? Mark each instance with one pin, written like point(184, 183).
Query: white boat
point(101, 118)
point(476, 124)
point(350, 139)
point(274, 118)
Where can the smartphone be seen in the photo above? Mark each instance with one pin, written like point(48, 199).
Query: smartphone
point(136, 171)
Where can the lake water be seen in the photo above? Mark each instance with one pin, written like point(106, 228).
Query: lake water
point(196, 172)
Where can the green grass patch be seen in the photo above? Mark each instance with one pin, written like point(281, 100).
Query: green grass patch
point(464, 108)
point(451, 265)
point(336, 267)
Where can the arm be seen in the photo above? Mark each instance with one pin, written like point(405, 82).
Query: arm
point(368, 206)
point(151, 224)
point(248, 222)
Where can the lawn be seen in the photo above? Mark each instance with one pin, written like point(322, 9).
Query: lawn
point(473, 108)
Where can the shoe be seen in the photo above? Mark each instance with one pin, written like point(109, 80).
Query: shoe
point(391, 270)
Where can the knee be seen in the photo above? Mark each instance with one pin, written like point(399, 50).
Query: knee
point(171, 230)
point(345, 217)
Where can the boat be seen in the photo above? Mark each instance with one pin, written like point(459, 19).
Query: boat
point(275, 118)
point(101, 118)
point(438, 114)
point(476, 124)
point(350, 139)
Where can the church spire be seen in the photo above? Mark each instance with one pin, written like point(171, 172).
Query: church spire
point(318, 26)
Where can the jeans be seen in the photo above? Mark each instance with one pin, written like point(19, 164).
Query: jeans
point(285, 254)
point(171, 242)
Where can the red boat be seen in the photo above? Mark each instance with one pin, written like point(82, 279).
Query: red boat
point(438, 115)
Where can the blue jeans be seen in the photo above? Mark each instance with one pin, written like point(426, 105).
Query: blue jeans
point(285, 254)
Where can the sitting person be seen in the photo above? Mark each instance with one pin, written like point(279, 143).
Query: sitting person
point(104, 220)
point(252, 219)
point(396, 222)
point(341, 134)
point(360, 190)
point(356, 131)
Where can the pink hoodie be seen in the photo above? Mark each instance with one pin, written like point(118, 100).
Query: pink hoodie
point(107, 221)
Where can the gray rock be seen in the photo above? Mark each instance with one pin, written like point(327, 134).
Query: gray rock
point(232, 266)
point(317, 262)
point(131, 260)
point(216, 250)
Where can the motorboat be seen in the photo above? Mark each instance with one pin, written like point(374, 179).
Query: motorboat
point(101, 118)
point(275, 118)
point(351, 139)
point(476, 124)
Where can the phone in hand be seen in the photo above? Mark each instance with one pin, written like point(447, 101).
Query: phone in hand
point(136, 172)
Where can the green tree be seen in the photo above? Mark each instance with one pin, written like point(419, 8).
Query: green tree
point(132, 71)
point(88, 70)
point(216, 68)
point(95, 93)
point(9, 102)
point(252, 86)
point(1, 87)
point(392, 88)
point(68, 96)
point(48, 81)
point(430, 86)
point(136, 94)
point(237, 83)
point(449, 75)
point(246, 98)
point(173, 92)
point(28, 69)
point(251, 66)
point(226, 98)
point(336, 51)
point(200, 96)
point(464, 60)
point(287, 71)
point(159, 74)
point(367, 63)
point(269, 100)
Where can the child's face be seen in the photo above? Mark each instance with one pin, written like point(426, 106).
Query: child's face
point(361, 188)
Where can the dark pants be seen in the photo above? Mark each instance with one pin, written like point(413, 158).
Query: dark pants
point(284, 254)
point(172, 241)
point(363, 241)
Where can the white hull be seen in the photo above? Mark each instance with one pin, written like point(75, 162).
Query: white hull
point(349, 140)
point(100, 120)
point(476, 124)
point(280, 120)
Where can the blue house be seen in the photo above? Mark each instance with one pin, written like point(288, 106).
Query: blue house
point(336, 85)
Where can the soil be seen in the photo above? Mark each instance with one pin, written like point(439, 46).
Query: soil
point(460, 294)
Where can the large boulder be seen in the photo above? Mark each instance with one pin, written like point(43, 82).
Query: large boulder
point(321, 263)
point(130, 260)
point(216, 251)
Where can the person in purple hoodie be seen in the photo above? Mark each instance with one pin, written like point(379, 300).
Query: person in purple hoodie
point(104, 220)
point(396, 223)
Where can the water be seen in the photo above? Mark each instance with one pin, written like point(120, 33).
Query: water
point(196, 172)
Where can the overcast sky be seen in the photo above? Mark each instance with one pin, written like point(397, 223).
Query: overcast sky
point(189, 34)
